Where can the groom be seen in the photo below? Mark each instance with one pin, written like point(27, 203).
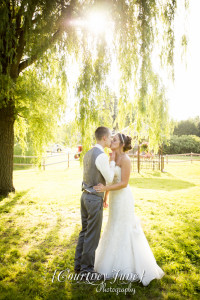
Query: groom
point(96, 169)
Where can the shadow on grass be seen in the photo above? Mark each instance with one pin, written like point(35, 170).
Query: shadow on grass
point(160, 184)
point(5, 208)
point(32, 277)
point(180, 257)
point(19, 168)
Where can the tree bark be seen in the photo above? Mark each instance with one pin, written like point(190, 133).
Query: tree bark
point(6, 149)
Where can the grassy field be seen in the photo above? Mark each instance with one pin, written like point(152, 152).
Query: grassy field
point(40, 223)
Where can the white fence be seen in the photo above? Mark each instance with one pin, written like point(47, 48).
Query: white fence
point(179, 158)
point(67, 160)
point(48, 160)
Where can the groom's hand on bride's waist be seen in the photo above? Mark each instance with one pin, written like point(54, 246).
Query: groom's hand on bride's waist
point(99, 188)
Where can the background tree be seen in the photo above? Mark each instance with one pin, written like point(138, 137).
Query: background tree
point(188, 127)
point(182, 144)
point(27, 30)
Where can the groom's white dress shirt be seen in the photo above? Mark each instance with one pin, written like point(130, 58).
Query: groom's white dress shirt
point(102, 163)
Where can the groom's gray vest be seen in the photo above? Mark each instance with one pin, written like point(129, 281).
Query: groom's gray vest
point(91, 175)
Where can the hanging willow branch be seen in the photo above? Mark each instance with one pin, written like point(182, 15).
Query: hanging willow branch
point(138, 26)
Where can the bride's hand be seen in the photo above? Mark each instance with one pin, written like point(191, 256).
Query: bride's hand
point(99, 188)
point(105, 204)
point(112, 156)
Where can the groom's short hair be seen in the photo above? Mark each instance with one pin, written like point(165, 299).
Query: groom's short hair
point(100, 132)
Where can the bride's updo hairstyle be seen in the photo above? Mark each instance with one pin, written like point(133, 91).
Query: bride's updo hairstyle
point(126, 140)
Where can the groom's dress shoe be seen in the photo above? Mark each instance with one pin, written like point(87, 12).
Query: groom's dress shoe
point(77, 271)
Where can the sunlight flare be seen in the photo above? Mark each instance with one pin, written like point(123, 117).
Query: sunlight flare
point(95, 22)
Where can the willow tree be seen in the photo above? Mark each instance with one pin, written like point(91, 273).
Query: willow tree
point(143, 30)
point(31, 30)
point(28, 29)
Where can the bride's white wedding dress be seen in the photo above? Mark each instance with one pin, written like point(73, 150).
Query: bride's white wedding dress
point(123, 248)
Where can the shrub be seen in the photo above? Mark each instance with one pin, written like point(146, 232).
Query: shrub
point(182, 144)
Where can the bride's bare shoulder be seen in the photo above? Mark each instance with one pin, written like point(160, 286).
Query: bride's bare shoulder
point(126, 159)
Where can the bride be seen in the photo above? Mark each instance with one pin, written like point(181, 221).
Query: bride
point(123, 249)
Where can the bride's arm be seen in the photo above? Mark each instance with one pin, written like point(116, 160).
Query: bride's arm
point(125, 174)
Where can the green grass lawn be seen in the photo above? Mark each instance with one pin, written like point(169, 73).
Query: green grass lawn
point(40, 223)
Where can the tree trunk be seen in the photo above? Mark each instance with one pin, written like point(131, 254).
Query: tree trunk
point(6, 149)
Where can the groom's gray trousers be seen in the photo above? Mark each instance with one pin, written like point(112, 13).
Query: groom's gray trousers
point(91, 217)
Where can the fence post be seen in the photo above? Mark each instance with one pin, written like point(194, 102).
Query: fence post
point(162, 163)
point(159, 158)
point(43, 163)
point(138, 162)
point(68, 159)
point(166, 158)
